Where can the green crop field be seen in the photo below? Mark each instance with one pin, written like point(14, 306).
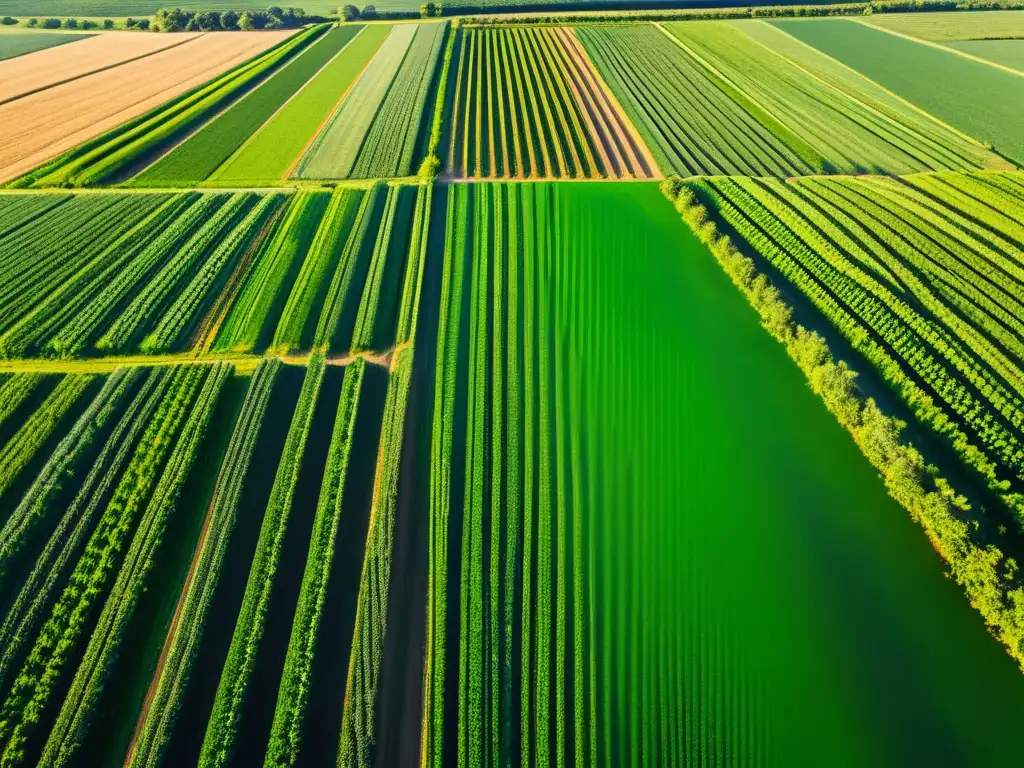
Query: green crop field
point(201, 154)
point(275, 149)
point(1009, 53)
point(13, 44)
point(974, 97)
point(377, 129)
point(521, 390)
point(847, 131)
point(691, 117)
point(944, 27)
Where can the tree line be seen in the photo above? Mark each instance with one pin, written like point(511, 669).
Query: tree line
point(275, 17)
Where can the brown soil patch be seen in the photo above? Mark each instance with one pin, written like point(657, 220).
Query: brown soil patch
point(616, 129)
point(45, 68)
point(38, 127)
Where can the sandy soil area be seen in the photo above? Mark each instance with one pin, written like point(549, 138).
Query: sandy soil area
point(42, 125)
point(56, 65)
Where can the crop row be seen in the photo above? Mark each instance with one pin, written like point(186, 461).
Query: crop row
point(335, 288)
point(98, 572)
point(24, 445)
point(237, 674)
point(159, 273)
point(694, 122)
point(528, 103)
point(116, 152)
point(182, 646)
point(930, 295)
point(506, 564)
point(81, 703)
point(852, 128)
point(375, 132)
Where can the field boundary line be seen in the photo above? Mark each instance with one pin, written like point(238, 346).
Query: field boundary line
point(98, 70)
point(941, 47)
point(252, 137)
point(333, 110)
point(910, 104)
point(244, 362)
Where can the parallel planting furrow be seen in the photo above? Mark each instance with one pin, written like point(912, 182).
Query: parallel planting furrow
point(529, 104)
point(692, 120)
point(336, 149)
point(261, 299)
point(236, 678)
point(82, 701)
point(169, 689)
point(54, 648)
point(506, 554)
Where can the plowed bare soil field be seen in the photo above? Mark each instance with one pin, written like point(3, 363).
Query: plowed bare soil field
point(40, 126)
point(42, 69)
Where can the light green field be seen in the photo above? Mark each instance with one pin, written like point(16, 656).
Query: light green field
point(944, 27)
point(271, 153)
point(1009, 53)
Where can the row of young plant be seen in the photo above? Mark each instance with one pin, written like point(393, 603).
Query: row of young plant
point(161, 280)
point(948, 378)
point(505, 566)
point(82, 703)
point(63, 532)
point(112, 154)
point(980, 568)
point(974, 271)
point(15, 389)
point(98, 562)
point(18, 210)
point(44, 258)
point(236, 676)
point(694, 121)
point(331, 276)
point(40, 425)
point(552, 128)
point(40, 501)
point(162, 714)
